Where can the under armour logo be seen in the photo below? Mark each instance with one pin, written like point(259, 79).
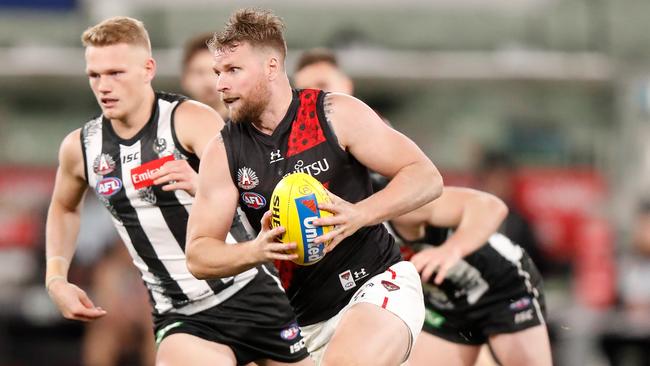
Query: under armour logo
point(276, 156)
point(360, 274)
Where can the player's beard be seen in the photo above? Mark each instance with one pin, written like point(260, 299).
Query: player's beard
point(251, 107)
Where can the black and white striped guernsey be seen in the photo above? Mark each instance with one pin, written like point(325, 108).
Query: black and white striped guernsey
point(152, 222)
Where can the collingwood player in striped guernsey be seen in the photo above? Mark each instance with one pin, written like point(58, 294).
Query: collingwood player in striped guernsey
point(479, 287)
point(140, 158)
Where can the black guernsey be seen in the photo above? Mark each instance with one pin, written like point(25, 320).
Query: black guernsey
point(492, 271)
point(304, 142)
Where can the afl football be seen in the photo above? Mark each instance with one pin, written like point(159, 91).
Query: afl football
point(294, 206)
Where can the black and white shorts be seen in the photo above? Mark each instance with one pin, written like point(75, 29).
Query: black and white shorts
point(256, 323)
point(516, 305)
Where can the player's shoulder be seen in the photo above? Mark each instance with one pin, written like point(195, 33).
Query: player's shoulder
point(72, 141)
point(191, 110)
point(348, 115)
point(342, 100)
point(343, 106)
point(193, 107)
point(70, 153)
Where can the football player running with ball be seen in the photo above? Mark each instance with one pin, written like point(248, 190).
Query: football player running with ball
point(361, 304)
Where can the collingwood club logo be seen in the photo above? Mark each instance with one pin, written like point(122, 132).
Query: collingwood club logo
point(159, 145)
point(276, 156)
point(246, 178)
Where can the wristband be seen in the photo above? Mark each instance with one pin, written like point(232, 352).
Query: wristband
point(51, 279)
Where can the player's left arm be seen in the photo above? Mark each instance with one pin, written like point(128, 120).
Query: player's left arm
point(195, 125)
point(474, 215)
point(414, 178)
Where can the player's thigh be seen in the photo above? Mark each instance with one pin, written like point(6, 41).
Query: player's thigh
point(368, 335)
point(529, 347)
point(305, 362)
point(485, 357)
point(182, 349)
point(432, 350)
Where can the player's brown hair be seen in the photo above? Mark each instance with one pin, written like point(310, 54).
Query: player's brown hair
point(256, 26)
point(195, 45)
point(314, 56)
point(117, 30)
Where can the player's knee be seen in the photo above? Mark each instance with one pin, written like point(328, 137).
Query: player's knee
point(343, 358)
point(523, 356)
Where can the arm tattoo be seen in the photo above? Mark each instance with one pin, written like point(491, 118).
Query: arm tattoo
point(328, 106)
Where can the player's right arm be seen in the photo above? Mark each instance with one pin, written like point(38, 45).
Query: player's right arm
point(473, 214)
point(215, 203)
point(62, 227)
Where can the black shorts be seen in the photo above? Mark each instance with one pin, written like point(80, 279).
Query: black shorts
point(511, 308)
point(256, 323)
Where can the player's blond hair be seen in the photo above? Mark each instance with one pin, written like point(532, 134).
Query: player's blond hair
point(117, 30)
point(256, 26)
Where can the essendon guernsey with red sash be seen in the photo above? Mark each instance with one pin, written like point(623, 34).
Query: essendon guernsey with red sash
point(304, 142)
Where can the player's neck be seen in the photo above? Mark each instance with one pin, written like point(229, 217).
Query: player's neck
point(131, 124)
point(277, 108)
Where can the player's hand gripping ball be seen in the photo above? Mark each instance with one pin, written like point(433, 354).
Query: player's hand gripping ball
point(294, 206)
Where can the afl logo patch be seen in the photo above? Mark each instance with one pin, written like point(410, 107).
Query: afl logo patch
point(291, 332)
point(520, 304)
point(246, 178)
point(253, 200)
point(108, 186)
point(103, 164)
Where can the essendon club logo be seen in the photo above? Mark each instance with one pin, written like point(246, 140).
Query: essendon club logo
point(141, 176)
point(389, 285)
point(347, 282)
point(108, 186)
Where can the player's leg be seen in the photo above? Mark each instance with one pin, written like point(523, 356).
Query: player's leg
point(485, 357)
point(147, 346)
point(181, 349)
point(432, 350)
point(368, 335)
point(530, 346)
point(379, 325)
point(305, 362)
point(102, 344)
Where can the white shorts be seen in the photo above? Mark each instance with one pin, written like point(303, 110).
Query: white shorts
point(397, 290)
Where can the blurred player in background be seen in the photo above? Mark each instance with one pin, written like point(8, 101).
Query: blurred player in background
point(496, 174)
point(318, 68)
point(197, 76)
point(125, 336)
point(140, 157)
point(361, 304)
point(479, 287)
